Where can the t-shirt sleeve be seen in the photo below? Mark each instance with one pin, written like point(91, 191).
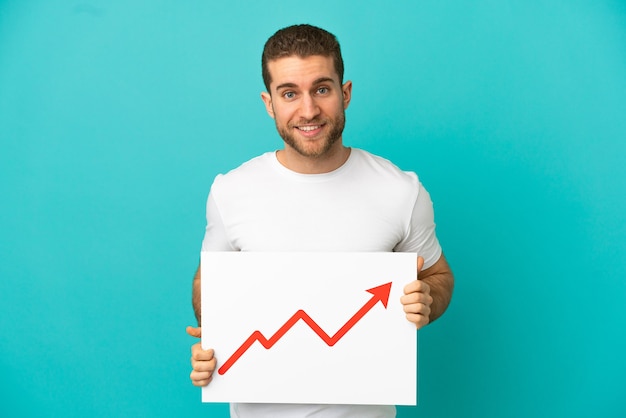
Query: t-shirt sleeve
point(421, 237)
point(215, 236)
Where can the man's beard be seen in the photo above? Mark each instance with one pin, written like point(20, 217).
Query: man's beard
point(336, 129)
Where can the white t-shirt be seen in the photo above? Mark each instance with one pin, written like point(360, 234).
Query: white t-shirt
point(367, 204)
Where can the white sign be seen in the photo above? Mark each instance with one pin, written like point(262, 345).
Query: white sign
point(325, 328)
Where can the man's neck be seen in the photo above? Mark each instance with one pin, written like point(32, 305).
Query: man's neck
point(326, 163)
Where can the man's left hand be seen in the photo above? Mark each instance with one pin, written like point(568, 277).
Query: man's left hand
point(417, 300)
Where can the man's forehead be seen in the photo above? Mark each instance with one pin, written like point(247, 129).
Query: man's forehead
point(294, 69)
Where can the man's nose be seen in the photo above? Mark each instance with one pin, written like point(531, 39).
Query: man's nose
point(309, 108)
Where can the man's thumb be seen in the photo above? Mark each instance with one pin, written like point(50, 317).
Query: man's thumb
point(420, 263)
point(194, 331)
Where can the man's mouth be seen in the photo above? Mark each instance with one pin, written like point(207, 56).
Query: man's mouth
point(308, 128)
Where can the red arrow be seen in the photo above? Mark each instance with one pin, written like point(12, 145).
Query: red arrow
point(381, 293)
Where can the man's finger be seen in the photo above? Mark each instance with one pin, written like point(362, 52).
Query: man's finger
point(197, 353)
point(419, 320)
point(204, 365)
point(200, 378)
point(417, 308)
point(416, 297)
point(416, 286)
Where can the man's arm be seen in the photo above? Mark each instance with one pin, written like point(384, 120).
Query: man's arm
point(427, 298)
point(195, 295)
point(441, 281)
point(203, 362)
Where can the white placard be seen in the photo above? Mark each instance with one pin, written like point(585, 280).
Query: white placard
point(297, 327)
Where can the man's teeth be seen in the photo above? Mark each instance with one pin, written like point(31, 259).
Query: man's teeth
point(308, 128)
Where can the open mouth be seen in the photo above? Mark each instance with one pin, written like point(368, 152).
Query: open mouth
point(309, 128)
point(310, 131)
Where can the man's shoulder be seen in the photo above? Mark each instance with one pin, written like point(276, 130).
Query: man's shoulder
point(260, 162)
point(383, 168)
point(247, 171)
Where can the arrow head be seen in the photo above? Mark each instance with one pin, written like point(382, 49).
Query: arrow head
point(381, 293)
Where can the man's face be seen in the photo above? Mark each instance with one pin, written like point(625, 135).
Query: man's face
point(307, 102)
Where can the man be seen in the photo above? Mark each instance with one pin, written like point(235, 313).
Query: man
point(316, 194)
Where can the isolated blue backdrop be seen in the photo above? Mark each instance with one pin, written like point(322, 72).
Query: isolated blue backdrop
point(116, 115)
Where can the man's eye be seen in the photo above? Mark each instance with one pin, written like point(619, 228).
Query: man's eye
point(289, 95)
point(322, 90)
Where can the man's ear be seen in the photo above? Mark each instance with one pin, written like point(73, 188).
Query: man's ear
point(346, 89)
point(267, 99)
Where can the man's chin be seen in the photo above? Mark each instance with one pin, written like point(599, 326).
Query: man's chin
point(309, 151)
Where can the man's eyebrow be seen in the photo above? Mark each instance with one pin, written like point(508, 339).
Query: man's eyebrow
point(323, 80)
point(286, 85)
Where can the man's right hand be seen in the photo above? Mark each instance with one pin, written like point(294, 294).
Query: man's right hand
point(202, 361)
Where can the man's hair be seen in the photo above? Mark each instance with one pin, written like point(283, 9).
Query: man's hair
point(302, 41)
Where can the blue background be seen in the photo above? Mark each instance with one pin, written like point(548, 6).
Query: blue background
point(115, 116)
